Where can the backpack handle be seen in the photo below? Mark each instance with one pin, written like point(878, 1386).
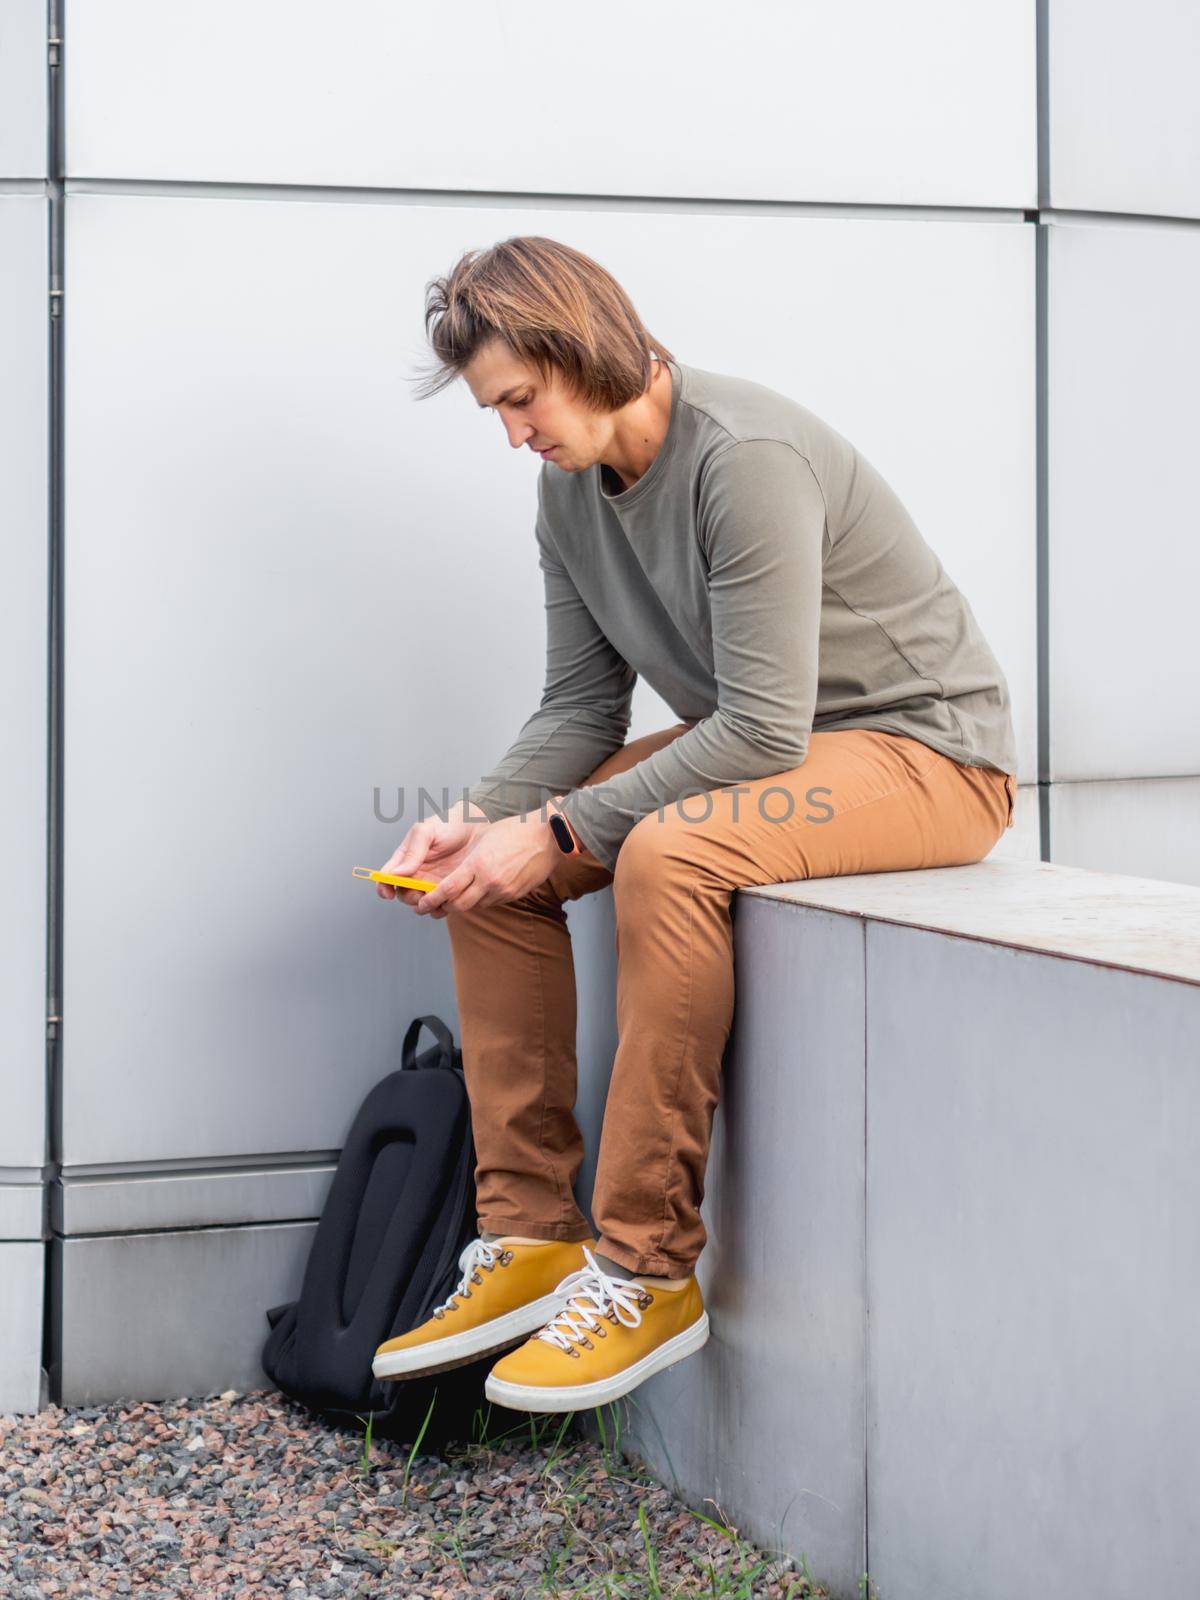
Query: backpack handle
point(408, 1050)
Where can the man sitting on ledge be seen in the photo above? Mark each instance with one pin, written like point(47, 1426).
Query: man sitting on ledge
point(841, 712)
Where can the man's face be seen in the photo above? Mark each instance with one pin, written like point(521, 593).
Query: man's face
point(536, 416)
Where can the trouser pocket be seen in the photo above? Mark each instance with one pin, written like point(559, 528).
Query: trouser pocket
point(1010, 788)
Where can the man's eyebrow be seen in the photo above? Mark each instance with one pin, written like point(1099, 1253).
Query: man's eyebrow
point(483, 404)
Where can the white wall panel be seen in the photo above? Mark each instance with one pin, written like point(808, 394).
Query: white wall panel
point(1145, 827)
point(23, 643)
point(1125, 106)
point(23, 58)
point(1124, 415)
point(287, 583)
point(928, 102)
point(919, 347)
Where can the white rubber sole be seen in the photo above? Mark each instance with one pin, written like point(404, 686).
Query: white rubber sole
point(457, 1349)
point(582, 1396)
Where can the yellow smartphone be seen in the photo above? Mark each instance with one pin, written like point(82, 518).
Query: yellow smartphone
point(390, 877)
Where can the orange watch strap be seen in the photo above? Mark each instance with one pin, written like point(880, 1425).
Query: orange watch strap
point(556, 802)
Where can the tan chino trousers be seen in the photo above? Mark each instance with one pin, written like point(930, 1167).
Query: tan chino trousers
point(862, 801)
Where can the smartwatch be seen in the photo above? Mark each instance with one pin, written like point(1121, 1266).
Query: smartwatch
point(561, 829)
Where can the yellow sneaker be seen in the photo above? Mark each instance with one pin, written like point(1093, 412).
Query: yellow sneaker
point(516, 1290)
point(612, 1334)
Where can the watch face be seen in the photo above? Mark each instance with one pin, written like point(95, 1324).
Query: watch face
point(563, 834)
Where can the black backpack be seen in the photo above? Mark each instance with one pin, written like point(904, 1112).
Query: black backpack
point(400, 1210)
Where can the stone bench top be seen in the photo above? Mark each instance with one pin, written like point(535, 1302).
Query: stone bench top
point(1139, 924)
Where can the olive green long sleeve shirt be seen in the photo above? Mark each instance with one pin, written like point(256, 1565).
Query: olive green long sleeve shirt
point(766, 581)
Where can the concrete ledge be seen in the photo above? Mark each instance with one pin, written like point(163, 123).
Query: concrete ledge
point(954, 1237)
point(1138, 924)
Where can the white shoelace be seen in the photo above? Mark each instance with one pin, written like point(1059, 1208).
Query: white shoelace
point(480, 1252)
point(605, 1293)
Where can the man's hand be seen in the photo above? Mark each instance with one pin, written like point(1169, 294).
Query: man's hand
point(432, 849)
point(511, 858)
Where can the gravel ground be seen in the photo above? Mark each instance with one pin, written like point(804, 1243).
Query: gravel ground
point(249, 1495)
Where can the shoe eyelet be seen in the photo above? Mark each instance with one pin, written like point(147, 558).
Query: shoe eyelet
point(573, 1353)
point(601, 1333)
point(506, 1258)
point(587, 1344)
point(646, 1300)
point(475, 1278)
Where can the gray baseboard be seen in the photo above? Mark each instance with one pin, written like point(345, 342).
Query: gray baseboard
point(22, 1267)
point(22, 1211)
point(155, 1316)
point(128, 1202)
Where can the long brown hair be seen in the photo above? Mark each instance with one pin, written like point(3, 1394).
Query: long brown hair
point(554, 307)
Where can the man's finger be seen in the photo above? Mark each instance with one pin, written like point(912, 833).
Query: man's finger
point(431, 899)
point(408, 850)
point(475, 894)
point(447, 890)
